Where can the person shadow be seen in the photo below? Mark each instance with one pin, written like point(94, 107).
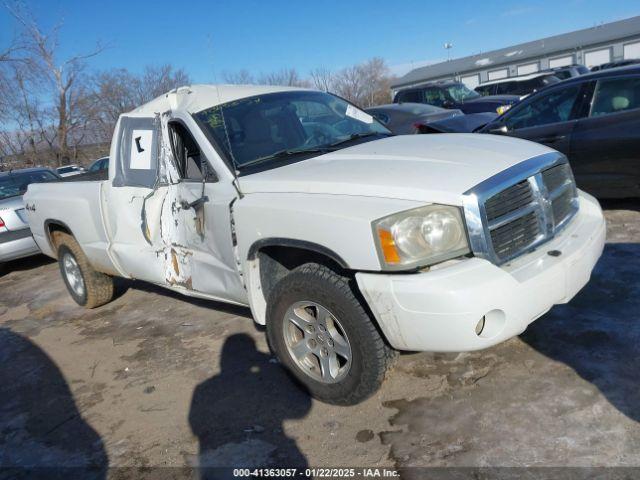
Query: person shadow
point(42, 432)
point(597, 333)
point(238, 414)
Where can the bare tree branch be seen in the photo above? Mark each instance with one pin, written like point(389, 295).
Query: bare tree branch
point(63, 76)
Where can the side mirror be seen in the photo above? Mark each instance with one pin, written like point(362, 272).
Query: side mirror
point(447, 104)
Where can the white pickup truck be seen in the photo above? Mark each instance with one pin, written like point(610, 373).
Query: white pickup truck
point(347, 242)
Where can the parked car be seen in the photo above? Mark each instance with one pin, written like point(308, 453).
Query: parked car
point(346, 241)
point(594, 119)
point(568, 71)
point(70, 170)
point(455, 95)
point(404, 118)
point(616, 64)
point(16, 240)
point(521, 86)
point(100, 164)
point(461, 124)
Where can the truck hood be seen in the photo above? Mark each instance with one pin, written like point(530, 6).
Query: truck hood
point(426, 168)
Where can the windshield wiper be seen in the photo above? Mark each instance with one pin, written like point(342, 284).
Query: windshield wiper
point(321, 149)
point(356, 136)
point(285, 153)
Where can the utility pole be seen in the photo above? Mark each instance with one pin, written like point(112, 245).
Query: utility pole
point(448, 47)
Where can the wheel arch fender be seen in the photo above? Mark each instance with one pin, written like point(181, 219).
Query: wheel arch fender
point(52, 225)
point(270, 259)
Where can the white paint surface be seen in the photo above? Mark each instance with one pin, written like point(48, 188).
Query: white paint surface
point(428, 168)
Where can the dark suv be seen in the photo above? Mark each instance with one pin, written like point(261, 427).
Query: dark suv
point(568, 71)
point(455, 95)
point(595, 120)
point(518, 86)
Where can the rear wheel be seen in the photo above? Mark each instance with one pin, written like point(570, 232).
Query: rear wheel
point(320, 331)
point(88, 287)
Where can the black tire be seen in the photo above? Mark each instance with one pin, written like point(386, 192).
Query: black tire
point(98, 287)
point(370, 355)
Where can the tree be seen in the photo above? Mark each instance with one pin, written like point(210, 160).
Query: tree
point(158, 80)
point(287, 77)
point(241, 77)
point(62, 79)
point(323, 79)
point(366, 84)
point(376, 81)
point(117, 91)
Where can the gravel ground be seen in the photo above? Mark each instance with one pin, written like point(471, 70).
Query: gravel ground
point(157, 379)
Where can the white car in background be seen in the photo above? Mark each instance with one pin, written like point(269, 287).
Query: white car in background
point(70, 170)
point(348, 242)
point(16, 240)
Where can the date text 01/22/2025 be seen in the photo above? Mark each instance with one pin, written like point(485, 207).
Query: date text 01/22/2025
point(316, 472)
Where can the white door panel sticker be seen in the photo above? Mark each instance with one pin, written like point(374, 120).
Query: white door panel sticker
point(140, 156)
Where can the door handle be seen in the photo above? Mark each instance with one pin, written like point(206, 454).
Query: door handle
point(552, 139)
point(195, 204)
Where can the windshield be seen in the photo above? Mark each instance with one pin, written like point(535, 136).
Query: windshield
point(460, 93)
point(67, 169)
point(269, 128)
point(16, 183)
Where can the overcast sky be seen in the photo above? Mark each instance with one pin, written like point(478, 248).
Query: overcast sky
point(209, 37)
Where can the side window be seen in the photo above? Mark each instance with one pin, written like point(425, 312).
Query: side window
point(484, 90)
point(412, 96)
point(616, 95)
point(508, 88)
point(553, 107)
point(137, 162)
point(189, 158)
point(434, 96)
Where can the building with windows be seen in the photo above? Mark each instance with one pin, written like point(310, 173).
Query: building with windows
point(591, 46)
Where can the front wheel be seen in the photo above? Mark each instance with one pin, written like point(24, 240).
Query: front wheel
point(323, 335)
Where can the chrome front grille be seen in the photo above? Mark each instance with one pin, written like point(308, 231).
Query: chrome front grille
point(520, 208)
point(509, 200)
point(512, 237)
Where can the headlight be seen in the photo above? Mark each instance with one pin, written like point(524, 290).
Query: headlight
point(502, 108)
point(419, 237)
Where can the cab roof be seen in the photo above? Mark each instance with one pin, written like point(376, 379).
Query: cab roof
point(195, 98)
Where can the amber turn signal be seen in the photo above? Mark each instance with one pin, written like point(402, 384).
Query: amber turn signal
point(388, 246)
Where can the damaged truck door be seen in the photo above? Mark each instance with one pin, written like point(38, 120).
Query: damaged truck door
point(162, 187)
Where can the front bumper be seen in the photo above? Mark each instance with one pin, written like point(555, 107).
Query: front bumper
point(17, 244)
point(439, 310)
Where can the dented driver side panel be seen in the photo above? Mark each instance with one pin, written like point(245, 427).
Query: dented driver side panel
point(157, 237)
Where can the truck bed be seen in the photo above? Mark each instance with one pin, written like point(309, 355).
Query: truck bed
point(87, 177)
point(74, 203)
